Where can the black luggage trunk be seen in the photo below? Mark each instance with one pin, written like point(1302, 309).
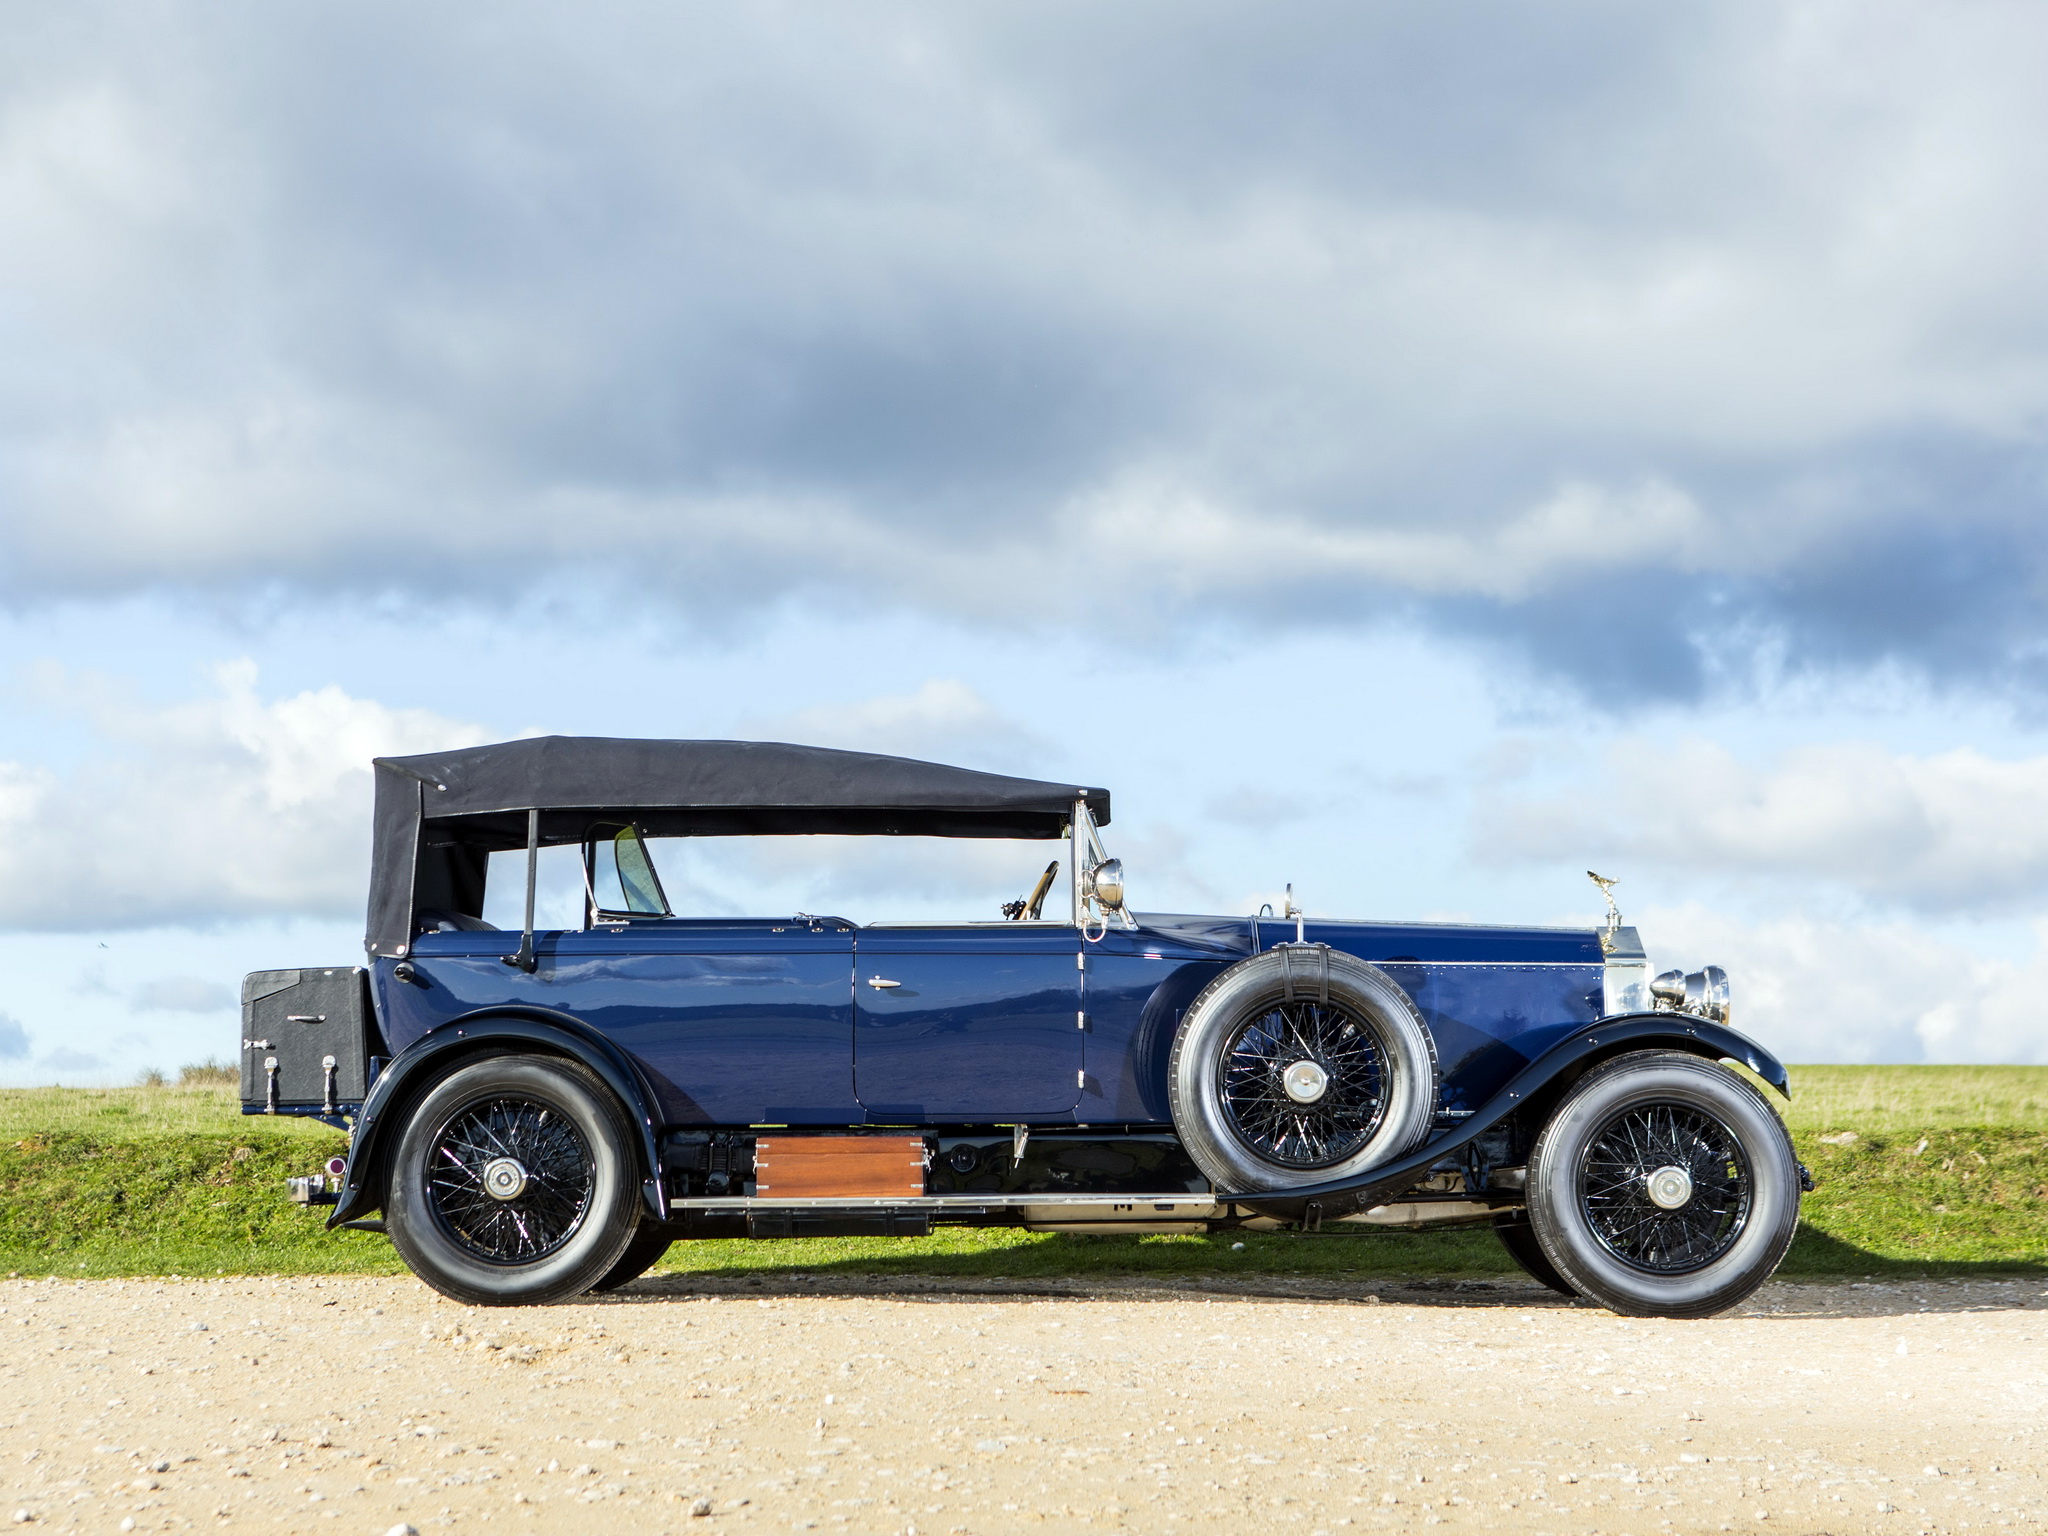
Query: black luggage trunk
point(307, 1040)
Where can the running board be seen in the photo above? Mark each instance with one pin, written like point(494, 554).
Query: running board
point(1107, 1209)
point(1180, 1205)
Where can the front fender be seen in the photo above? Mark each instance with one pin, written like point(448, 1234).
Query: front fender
point(1570, 1056)
point(427, 1058)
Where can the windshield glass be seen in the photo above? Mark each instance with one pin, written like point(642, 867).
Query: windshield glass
point(862, 879)
point(622, 877)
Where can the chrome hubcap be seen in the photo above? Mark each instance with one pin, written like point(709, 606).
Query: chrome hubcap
point(1305, 1082)
point(504, 1178)
point(1670, 1187)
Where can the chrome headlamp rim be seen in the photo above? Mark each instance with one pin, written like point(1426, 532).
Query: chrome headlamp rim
point(1104, 885)
point(1703, 993)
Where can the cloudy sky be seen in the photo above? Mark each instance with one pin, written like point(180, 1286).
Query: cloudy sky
point(1411, 452)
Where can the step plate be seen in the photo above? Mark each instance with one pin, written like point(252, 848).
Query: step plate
point(838, 1167)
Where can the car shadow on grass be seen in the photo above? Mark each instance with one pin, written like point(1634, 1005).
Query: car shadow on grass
point(1817, 1255)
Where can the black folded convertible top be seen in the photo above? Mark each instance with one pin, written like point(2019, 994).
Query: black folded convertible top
point(441, 813)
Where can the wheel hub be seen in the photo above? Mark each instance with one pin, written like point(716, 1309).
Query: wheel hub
point(1670, 1188)
point(1305, 1082)
point(1665, 1187)
point(1302, 1085)
point(504, 1178)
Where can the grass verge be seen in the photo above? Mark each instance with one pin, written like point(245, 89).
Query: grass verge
point(168, 1203)
point(1914, 1101)
point(120, 1114)
point(1955, 1201)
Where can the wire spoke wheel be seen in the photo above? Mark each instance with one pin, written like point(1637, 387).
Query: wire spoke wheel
point(1665, 1187)
point(1303, 1084)
point(509, 1179)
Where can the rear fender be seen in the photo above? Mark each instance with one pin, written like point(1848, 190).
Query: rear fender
point(430, 1058)
point(1535, 1086)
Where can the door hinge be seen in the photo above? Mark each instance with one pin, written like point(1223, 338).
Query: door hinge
point(1081, 1020)
point(1080, 962)
point(1081, 1078)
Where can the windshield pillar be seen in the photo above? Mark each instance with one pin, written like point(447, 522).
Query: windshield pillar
point(1077, 852)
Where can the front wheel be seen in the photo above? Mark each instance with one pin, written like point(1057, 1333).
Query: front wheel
point(1664, 1186)
point(515, 1183)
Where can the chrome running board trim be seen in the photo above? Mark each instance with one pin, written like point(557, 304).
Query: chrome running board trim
point(1150, 1204)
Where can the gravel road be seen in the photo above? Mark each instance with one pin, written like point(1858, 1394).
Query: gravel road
point(693, 1404)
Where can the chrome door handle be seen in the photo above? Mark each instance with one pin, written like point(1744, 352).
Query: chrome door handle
point(880, 985)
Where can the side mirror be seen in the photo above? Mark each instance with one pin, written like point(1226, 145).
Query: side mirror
point(1104, 885)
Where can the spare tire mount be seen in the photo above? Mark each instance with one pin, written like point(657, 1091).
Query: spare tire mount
point(1300, 1066)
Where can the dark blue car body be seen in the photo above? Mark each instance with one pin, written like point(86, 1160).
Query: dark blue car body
point(965, 1044)
point(767, 1021)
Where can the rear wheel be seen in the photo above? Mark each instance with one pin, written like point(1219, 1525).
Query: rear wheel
point(515, 1183)
point(1664, 1186)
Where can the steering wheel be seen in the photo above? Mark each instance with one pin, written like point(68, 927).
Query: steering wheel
point(1018, 911)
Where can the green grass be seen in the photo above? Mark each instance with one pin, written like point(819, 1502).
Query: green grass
point(1896, 1100)
point(174, 1180)
point(120, 1114)
point(1952, 1199)
point(156, 1203)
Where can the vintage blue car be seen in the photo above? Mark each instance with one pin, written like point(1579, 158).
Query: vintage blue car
point(539, 1113)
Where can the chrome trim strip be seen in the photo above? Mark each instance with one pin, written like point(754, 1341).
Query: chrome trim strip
point(1498, 965)
point(1007, 924)
point(1152, 1205)
point(1416, 1213)
point(1392, 922)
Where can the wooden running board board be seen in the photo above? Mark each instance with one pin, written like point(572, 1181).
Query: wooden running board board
point(823, 1167)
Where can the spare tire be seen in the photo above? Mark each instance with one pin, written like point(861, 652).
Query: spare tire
point(1300, 1066)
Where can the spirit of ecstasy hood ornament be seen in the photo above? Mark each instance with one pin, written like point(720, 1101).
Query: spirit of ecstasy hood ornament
point(1613, 912)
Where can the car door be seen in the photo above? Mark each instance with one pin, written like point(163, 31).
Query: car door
point(739, 1022)
point(979, 1022)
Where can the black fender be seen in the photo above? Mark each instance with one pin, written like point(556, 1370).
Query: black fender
point(377, 1128)
point(1563, 1062)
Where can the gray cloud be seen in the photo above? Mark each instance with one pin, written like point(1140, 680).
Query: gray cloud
point(1641, 343)
point(1248, 805)
point(71, 1061)
point(183, 994)
point(1894, 991)
point(1955, 833)
point(943, 719)
point(227, 806)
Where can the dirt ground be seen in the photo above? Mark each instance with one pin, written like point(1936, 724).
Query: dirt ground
point(797, 1403)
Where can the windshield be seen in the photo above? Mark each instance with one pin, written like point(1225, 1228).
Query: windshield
point(621, 876)
point(622, 881)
